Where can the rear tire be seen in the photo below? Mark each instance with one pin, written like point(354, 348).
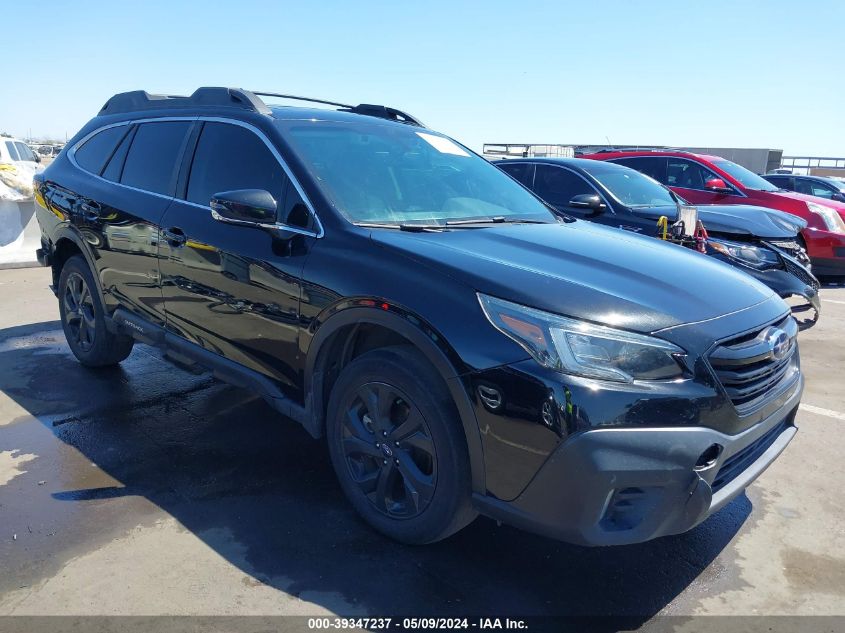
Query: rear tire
point(83, 318)
point(398, 448)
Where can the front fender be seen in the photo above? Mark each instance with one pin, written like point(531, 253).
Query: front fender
point(419, 333)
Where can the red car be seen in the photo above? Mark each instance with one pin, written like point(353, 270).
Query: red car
point(703, 179)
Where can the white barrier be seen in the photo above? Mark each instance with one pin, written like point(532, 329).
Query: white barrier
point(20, 235)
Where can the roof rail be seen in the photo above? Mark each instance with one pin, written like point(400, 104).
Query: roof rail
point(142, 100)
point(367, 109)
point(238, 98)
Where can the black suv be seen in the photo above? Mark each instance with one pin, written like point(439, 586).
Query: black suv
point(462, 347)
point(761, 242)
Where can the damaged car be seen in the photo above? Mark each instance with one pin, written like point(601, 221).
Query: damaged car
point(761, 242)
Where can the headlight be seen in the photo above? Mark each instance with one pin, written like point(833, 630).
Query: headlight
point(583, 349)
point(831, 218)
point(747, 254)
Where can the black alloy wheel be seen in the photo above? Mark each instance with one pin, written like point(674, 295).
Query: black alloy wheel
point(79, 311)
point(389, 450)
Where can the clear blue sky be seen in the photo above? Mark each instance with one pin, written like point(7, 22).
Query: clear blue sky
point(717, 73)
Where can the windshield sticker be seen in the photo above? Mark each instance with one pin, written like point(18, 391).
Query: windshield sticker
point(442, 145)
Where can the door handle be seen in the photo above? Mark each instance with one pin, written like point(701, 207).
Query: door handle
point(174, 236)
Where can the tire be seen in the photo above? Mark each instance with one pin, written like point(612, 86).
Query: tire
point(83, 318)
point(405, 469)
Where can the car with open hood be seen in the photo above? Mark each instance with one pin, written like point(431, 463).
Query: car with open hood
point(705, 179)
point(461, 347)
point(761, 242)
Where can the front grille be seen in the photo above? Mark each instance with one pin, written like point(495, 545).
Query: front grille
point(752, 367)
point(737, 463)
point(802, 273)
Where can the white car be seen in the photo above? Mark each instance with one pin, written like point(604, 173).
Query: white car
point(15, 152)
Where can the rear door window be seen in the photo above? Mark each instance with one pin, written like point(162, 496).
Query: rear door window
point(523, 172)
point(784, 182)
point(13, 152)
point(558, 186)
point(154, 155)
point(94, 153)
point(652, 166)
point(230, 157)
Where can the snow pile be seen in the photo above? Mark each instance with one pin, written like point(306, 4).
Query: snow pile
point(16, 181)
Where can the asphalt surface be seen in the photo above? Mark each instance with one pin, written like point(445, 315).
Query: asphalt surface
point(152, 490)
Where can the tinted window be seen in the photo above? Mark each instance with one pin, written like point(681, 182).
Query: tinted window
point(151, 162)
point(92, 156)
point(558, 186)
point(24, 152)
point(13, 153)
point(115, 166)
point(783, 182)
point(523, 172)
point(652, 166)
point(687, 174)
point(813, 188)
point(230, 157)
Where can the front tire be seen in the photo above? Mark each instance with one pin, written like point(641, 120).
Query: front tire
point(83, 318)
point(397, 446)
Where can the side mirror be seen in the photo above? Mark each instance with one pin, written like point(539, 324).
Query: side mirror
point(718, 185)
point(588, 201)
point(244, 206)
point(839, 197)
point(37, 157)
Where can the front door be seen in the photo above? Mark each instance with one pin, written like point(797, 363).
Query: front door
point(235, 289)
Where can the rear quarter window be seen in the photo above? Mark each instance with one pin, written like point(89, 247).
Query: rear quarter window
point(94, 153)
point(153, 157)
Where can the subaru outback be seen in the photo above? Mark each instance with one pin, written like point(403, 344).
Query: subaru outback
point(462, 347)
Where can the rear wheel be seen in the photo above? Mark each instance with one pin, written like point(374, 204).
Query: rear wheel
point(397, 446)
point(83, 318)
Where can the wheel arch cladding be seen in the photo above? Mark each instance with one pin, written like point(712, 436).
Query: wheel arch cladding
point(350, 331)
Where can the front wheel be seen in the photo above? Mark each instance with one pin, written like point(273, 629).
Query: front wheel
point(397, 446)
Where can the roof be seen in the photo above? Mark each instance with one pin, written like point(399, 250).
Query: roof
point(606, 154)
point(578, 163)
point(215, 98)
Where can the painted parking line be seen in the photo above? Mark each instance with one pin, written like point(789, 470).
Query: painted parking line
point(833, 301)
point(830, 413)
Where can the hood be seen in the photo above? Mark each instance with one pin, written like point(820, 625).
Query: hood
point(736, 219)
point(839, 206)
point(747, 220)
point(586, 271)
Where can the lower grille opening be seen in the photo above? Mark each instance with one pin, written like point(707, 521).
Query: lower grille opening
point(628, 507)
point(737, 463)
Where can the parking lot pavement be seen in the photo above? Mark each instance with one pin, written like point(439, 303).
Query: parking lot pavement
point(149, 489)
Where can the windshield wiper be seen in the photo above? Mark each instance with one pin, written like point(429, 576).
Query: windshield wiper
point(401, 226)
point(499, 219)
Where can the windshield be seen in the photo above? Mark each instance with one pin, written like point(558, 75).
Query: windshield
point(746, 177)
point(836, 182)
point(630, 187)
point(390, 174)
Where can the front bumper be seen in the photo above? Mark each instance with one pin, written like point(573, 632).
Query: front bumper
point(826, 250)
point(614, 486)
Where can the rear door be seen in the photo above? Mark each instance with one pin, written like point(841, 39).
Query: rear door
point(234, 289)
point(134, 169)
